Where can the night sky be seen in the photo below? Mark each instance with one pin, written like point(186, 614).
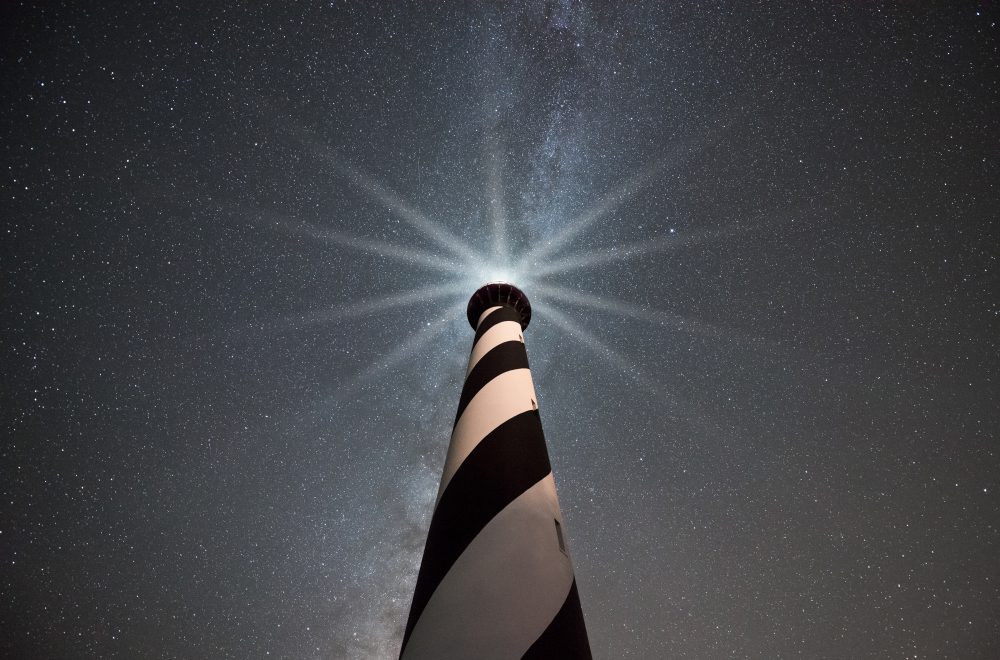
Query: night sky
point(762, 252)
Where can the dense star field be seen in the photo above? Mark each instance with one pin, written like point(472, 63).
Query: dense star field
point(761, 248)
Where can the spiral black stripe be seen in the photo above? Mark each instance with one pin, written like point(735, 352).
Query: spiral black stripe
point(565, 636)
point(505, 313)
point(507, 462)
point(501, 358)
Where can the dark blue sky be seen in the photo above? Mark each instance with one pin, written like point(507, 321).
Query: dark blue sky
point(761, 247)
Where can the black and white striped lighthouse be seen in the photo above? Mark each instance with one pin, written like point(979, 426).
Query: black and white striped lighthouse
point(496, 580)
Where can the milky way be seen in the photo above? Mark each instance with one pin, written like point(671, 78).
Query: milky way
point(760, 246)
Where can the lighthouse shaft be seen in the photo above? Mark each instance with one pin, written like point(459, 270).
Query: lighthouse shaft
point(496, 579)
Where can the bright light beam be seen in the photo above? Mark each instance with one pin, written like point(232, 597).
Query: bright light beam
point(412, 344)
point(595, 345)
point(498, 211)
point(387, 196)
point(667, 243)
point(655, 316)
point(410, 215)
point(635, 250)
point(359, 308)
point(611, 201)
point(407, 255)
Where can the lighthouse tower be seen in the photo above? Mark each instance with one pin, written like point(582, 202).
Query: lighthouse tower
point(496, 580)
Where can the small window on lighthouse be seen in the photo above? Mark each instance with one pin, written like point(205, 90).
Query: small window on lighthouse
point(559, 535)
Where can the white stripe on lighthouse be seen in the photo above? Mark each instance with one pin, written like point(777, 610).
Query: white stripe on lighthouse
point(509, 394)
point(498, 334)
point(486, 313)
point(505, 588)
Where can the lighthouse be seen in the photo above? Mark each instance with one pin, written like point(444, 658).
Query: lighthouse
point(496, 580)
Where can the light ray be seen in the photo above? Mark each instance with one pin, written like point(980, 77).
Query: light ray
point(407, 255)
point(655, 316)
point(614, 199)
point(386, 196)
point(359, 308)
point(412, 344)
point(410, 215)
point(498, 210)
point(595, 345)
point(667, 243)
